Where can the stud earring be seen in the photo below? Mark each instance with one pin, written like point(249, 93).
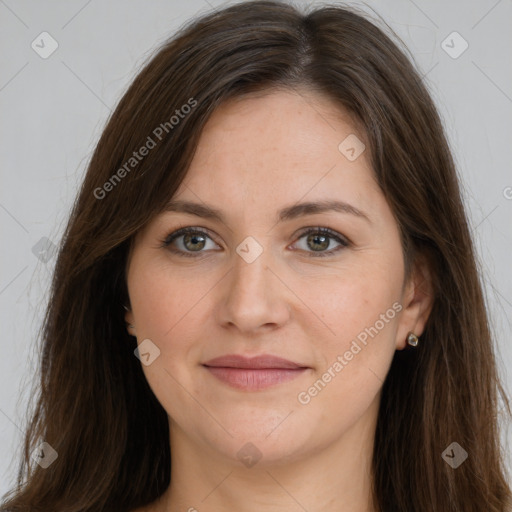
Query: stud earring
point(412, 339)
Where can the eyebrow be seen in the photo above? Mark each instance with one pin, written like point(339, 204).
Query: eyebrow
point(288, 213)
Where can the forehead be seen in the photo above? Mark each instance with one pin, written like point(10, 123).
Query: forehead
point(289, 123)
point(276, 146)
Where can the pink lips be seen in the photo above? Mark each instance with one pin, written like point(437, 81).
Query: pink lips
point(253, 374)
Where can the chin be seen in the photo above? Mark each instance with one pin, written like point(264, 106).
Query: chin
point(263, 442)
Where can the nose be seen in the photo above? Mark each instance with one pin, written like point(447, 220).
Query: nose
point(254, 297)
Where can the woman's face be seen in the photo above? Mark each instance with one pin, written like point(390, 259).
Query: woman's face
point(255, 283)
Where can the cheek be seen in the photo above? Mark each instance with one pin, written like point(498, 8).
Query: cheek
point(355, 357)
point(353, 300)
point(359, 309)
point(163, 304)
point(171, 309)
point(161, 299)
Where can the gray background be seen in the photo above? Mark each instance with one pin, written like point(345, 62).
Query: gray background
point(53, 111)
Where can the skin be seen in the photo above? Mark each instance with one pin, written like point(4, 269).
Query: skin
point(256, 155)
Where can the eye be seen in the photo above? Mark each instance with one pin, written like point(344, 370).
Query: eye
point(193, 240)
point(320, 238)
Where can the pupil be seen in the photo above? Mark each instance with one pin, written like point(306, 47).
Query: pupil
point(317, 237)
point(194, 239)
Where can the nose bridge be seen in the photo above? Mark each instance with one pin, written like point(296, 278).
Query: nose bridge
point(253, 296)
point(250, 273)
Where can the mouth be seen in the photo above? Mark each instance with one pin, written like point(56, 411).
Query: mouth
point(254, 374)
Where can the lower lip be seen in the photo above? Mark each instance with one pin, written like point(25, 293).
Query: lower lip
point(254, 380)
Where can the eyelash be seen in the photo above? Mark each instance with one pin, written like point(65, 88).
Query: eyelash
point(317, 230)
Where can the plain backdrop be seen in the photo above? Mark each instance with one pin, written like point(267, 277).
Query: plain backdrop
point(53, 110)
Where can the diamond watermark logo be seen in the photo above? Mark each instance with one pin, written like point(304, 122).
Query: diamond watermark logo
point(44, 250)
point(44, 455)
point(454, 45)
point(147, 352)
point(351, 147)
point(44, 45)
point(454, 455)
point(249, 249)
point(249, 454)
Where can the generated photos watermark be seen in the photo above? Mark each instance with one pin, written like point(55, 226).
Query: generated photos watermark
point(304, 397)
point(157, 135)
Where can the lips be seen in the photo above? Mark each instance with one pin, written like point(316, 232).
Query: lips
point(253, 374)
point(255, 363)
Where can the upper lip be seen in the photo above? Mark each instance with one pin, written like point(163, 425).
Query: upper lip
point(257, 362)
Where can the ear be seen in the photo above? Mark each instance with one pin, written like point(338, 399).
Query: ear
point(128, 318)
point(417, 301)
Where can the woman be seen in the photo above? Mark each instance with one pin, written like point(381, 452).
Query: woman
point(266, 297)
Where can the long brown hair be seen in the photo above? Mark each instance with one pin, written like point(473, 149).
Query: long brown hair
point(94, 405)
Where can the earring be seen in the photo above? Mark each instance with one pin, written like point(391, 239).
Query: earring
point(412, 339)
